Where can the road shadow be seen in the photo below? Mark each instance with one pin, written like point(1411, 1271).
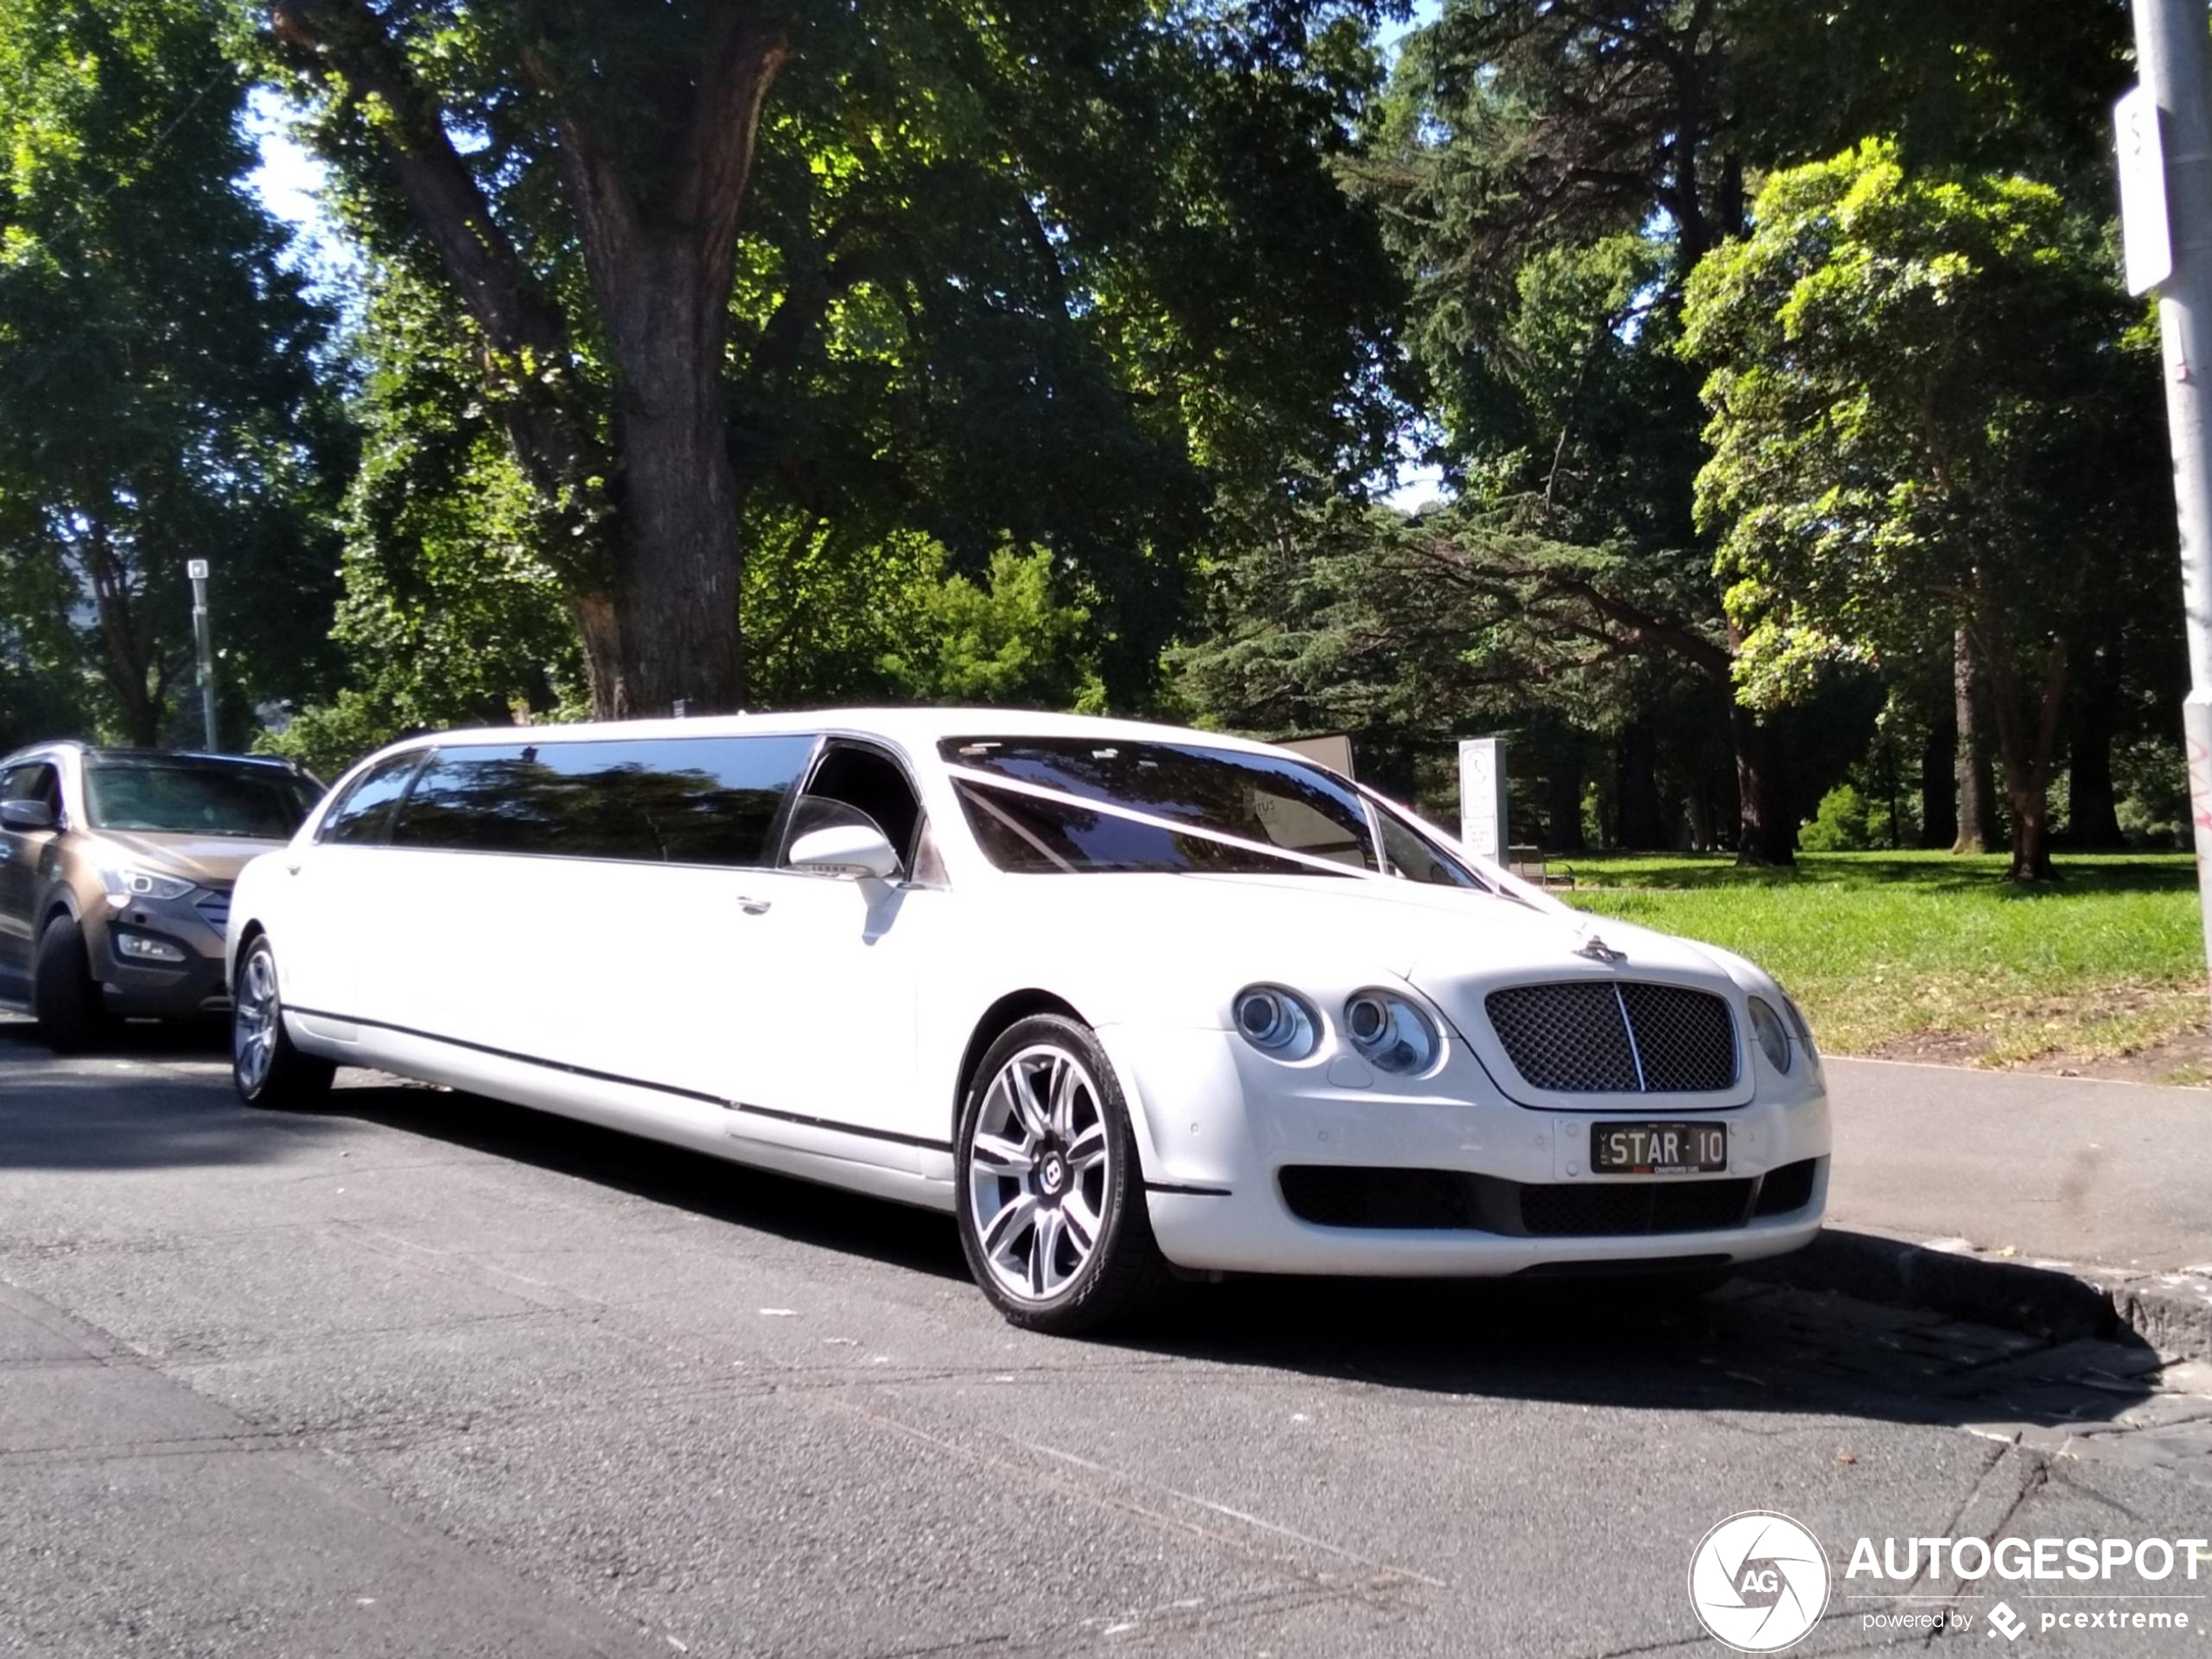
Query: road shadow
point(802, 1212)
point(1751, 1346)
point(84, 1113)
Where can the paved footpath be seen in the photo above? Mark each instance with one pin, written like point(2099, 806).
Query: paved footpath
point(420, 1374)
point(2119, 1174)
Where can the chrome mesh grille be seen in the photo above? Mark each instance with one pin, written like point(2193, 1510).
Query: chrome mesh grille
point(214, 908)
point(1588, 1037)
point(1685, 1038)
point(1566, 1037)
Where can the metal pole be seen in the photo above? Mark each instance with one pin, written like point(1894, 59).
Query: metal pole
point(2174, 49)
point(203, 634)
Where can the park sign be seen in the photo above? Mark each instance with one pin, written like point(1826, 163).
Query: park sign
point(2145, 241)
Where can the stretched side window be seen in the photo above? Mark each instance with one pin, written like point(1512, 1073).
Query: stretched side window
point(365, 814)
point(671, 800)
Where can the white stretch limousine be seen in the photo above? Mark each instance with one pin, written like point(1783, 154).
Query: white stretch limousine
point(1126, 999)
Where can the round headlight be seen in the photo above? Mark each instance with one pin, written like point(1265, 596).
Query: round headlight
point(1276, 1021)
point(1773, 1035)
point(1391, 1033)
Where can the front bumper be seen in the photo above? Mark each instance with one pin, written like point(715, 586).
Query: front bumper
point(162, 990)
point(1219, 1123)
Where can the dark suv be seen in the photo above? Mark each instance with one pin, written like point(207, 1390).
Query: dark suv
point(115, 868)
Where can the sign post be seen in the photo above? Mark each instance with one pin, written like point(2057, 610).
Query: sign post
point(1482, 797)
point(203, 633)
point(2165, 138)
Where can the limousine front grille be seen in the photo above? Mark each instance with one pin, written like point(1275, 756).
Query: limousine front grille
point(1603, 1037)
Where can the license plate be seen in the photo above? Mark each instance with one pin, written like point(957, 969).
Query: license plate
point(1658, 1149)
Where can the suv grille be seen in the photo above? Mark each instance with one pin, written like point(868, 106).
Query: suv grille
point(214, 908)
point(1590, 1037)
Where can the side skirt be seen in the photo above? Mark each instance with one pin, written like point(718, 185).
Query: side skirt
point(904, 1170)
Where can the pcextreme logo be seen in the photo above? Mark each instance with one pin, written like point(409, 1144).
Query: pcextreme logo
point(1759, 1581)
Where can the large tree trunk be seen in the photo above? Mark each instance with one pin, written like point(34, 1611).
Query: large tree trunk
point(1766, 821)
point(645, 538)
point(1939, 776)
point(1977, 803)
point(2093, 816)
point(1564, 796)
point(664, 633)
point(2026, 719)
point(1643, 824)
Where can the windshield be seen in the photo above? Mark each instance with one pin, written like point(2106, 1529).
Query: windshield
point(263, 803)
point(1285, 816)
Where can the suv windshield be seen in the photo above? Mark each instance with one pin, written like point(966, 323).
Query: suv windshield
point(1262, 801)
point(196, 798)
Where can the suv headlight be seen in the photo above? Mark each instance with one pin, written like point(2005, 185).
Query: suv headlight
point(1773, 1035)
point(1281, 1024)
point(123, 883)
point(1391, 1033)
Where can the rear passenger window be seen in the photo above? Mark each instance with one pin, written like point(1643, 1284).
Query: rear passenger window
point(670, 800)
point(365, 814)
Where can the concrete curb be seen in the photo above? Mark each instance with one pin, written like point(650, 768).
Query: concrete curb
point(2062, 1301)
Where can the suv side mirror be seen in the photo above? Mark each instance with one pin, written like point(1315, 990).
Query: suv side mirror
point(846, 849)
point(26, 817)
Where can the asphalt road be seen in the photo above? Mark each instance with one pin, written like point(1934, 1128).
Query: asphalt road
point(421, 1374)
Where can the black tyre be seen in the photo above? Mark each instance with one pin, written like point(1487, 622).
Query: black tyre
point(267, 1069)
point(64, 997)
point(1052, 1210)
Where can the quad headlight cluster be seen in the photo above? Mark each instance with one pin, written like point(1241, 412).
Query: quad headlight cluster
point(1390, 1032)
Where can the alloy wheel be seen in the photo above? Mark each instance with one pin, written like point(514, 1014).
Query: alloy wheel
point(1038, 1171)
point(254, 1022)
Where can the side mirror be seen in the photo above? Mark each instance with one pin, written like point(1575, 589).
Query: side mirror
point(26, 817)
point(846, 849)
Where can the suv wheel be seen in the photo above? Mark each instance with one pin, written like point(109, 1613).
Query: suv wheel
point(64, 997)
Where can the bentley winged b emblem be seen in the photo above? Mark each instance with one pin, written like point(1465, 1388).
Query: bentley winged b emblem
point(1598, 951)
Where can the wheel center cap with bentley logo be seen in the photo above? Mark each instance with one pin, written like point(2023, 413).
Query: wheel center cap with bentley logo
point(1052, 1174)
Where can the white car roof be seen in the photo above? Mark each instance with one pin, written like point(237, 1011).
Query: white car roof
point(918, 730)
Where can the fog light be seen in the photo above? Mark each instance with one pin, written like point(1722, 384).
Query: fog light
point(138, 948)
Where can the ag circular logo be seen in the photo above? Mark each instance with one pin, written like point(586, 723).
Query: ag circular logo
point(1759, 1581)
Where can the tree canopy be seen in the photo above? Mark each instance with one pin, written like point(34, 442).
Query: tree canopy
point(166, 387)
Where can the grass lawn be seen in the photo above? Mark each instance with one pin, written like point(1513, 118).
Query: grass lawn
point(1921, 955)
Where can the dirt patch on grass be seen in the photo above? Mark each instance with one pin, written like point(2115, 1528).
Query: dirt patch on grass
point(2144, 1034)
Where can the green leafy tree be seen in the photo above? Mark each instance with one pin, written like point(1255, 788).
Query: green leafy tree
point(163, 392)
point(1070, 277)
point(1929, 414)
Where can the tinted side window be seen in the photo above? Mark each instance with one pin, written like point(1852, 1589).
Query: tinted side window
point(670, 800)
point(366, 813)
point(1412, 856)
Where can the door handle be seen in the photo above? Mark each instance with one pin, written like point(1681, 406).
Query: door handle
point(753, 906)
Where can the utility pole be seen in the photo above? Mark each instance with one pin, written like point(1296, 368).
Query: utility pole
point(2167, 207)
point(203, 633)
